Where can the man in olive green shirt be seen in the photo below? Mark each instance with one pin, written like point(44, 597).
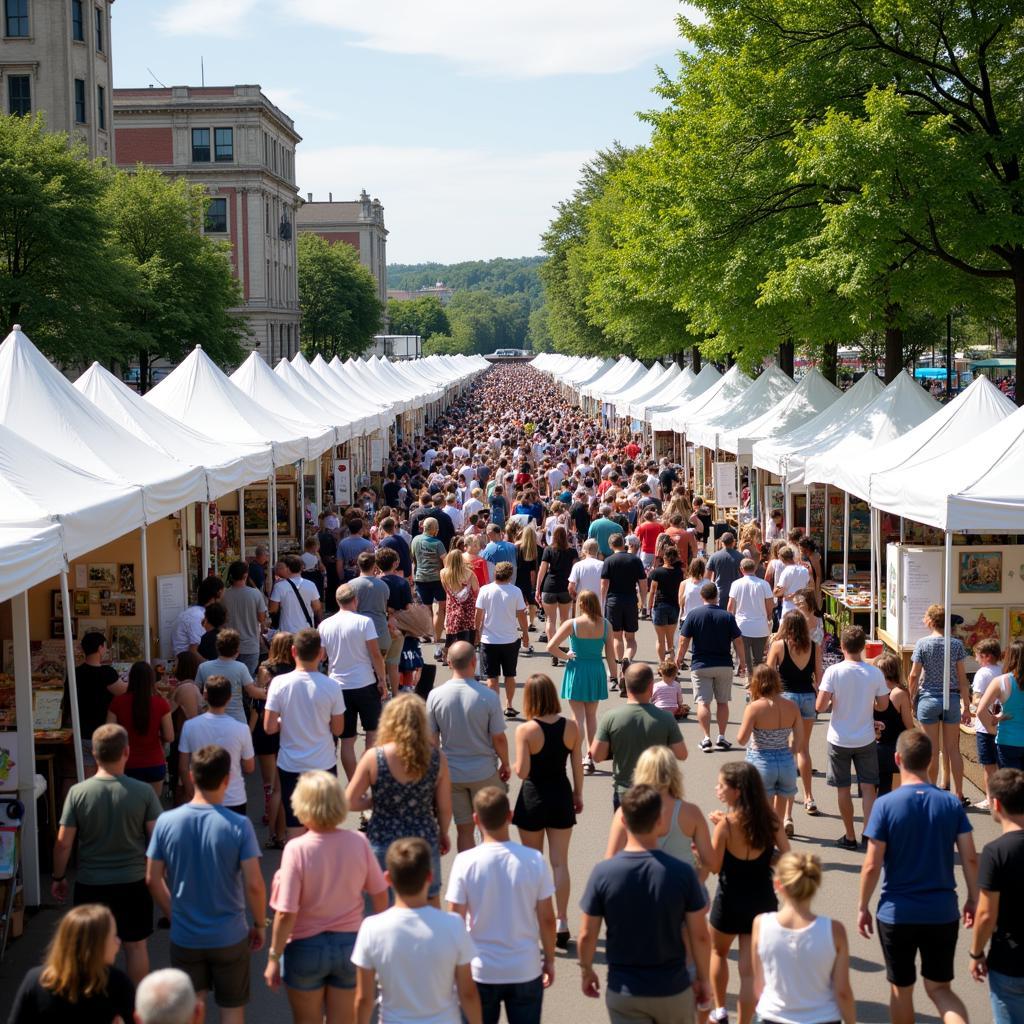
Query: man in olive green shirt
point(634, 727)
point(112, 816)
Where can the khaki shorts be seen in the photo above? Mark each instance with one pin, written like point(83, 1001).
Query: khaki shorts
point(463, 793)
point(392, 650)
point(623, 1009)
point(712, 683)
point(225, 971)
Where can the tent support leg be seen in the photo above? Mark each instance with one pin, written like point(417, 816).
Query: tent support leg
point(144, 567)
point(205, 543)
point(825, 538)
point(947, 593)
point(241, 523)
point(69, 647)
point(871, 575)
point(272, 515)
point(26, 748)
point(846, 542)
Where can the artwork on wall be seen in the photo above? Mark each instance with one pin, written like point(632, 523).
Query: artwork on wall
point(255, 509)
point(1015, 624)
point(82, 602)
point(91, 626)
point(981, 572)
point(102, 574)
point(56, 604)
point(108, 608)
point(126, 643)
point(978, 624)
point(57, 628)
point(126, 577)
point(231, 536)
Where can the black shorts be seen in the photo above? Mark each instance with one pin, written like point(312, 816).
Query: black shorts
point(900, 945)
point(555, 597)
point(622, 613)
point(431, 592)
point(223, 971)
point(289, 780)
point(500, 659)
point(362, 704)
point(129, 902)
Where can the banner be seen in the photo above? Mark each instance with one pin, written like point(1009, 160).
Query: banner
point(726, 494)
point(342, 482)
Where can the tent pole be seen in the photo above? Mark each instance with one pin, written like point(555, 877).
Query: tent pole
point(241, 523)
point(272, 515)
point(787, 521)
point(319, 484)
point(26, 754)
point(69, 648)
point(825, 538)
point(205, 542)
point(846, 542)
point(302, 502)
point(144, 572)
point(871, 574)
point(947, 593)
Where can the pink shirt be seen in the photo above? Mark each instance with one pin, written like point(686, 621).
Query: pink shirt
point(665, 696)
point(322, 879)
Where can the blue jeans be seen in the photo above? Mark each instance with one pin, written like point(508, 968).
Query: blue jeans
point(1010, 757)
point(326, 959)
point(522, 1001)
point(1006, 994)
point(930, 710)
point(777, 769)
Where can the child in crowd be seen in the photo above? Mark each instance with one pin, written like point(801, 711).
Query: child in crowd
point(411, 664)
point(667, 695)
point(988, 654)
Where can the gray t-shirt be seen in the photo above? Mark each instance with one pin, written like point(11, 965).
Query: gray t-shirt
point(244, 605)
point(724, 565)
point(466, 714)
point(372, 595)
point(236, 674)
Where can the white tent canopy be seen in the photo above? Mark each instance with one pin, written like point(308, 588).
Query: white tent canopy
point(812, 395)
point(671, 384)
point(341, 401)
point(770, 388)
point(833, 459)
point(728, 387)
point(588, 373)
point(621, 375)
point(772, 452)
point(656, 380)
point(318, 396)
point(659, 414)
point(30, 554)
point(641, 377)
point(340, 382)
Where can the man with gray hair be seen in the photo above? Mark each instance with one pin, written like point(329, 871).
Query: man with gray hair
point(603, 528)
point(167, 997)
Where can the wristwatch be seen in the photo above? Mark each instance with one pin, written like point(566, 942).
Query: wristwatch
point(57, 878)
point(272, 954)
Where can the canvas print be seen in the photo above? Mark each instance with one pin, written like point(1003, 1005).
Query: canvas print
point(126, 577)
point(978, 624)
point(126, 643)
point(92, 626)
point(126, 607)
point(57, 628)
point(102, 574)
point(82, 602)
point(981, 572)
point(1015, 624)
point(57, 604)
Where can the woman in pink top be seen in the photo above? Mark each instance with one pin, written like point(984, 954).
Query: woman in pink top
point(317, 897)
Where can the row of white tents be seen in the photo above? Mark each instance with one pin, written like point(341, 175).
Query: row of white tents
point(85, 464)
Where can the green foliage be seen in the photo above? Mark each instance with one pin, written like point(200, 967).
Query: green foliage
point(500, 276)
point(337, 297)
point(424, 316)
point(538, 332)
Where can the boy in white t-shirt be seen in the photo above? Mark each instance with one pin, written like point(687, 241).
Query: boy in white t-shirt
point(419, 955)
point(988, 654)
point(752, 602)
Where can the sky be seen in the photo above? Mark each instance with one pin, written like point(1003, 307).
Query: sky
point(468, 119)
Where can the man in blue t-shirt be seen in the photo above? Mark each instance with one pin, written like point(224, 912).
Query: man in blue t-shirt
point(912, 833)
point(646, 899)
point(498, 550)
point(602, 528)
point(203, 865)
point(714, 632)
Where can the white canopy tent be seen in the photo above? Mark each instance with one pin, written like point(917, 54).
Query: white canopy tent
point(642, 394)
point(639, 379)
point(624, 373)
point(767, 391)
point(659, 415)
point(588, 373)
point(656, 379)
point(342, 391)
point(728, 388)
point(318, 396)
point(390, 375)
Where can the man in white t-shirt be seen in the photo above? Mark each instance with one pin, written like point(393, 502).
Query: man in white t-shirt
point(308, 710)
point(751, 601)
point(586, 573)
point(504, 890)
point(793, 576)
point(853, 690)
point(987, 652)
point(296, 598)
point(454, 513)
point(355, 663)
point(501, 621)
point(418, 955)
point(473, 503)
point(215, 728)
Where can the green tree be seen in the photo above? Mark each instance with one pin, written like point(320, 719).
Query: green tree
point(424, 316)
point(337, 298)
point(177, 286)
point(500, 276)
point(539, 333)
point(56, 277)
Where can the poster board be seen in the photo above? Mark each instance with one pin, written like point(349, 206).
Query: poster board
point(914, 581)
point(726, 489)
point(170, 603)
point(342, 482)
point(376, 454)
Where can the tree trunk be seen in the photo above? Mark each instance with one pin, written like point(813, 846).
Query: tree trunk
point(695, 358)
point(1018, 308)
point(893, 352)
point(143, 371)
point(730, 361)
point(830, 361)
point(786, 354)
point(680, 358)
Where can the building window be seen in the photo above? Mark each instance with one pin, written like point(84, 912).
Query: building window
point(200, 145)
point(80, 101)
point(99, 30)
point(77, 21)
point(223, 145)
point(217, 217)
point(101, 108)
point(16, 18)
point(19, 95)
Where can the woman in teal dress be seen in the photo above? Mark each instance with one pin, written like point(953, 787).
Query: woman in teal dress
point(585, 682)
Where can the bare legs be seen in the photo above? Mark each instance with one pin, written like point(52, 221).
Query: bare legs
point(308, 1007)
point(558, 855)
point(804, 766)
point(720, 945)
point(585, 713)
point(136, 960)
point(947, 1002)
point(348, 752)
point(666, 637)
point(845, 799)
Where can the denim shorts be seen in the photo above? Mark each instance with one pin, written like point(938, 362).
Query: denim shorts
point(805, 702)
point(777, 769)
point(987, 752)
point(1010, 757)
point(326, 959)
point(930, 710)
point(664, 615)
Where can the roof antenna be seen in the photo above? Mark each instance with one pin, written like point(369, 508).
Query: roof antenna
point(202, 73)
point(157, 80)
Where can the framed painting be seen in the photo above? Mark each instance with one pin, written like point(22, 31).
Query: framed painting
point(56, 604)
point(1014, 624)
point(102, 574)
point(126, 577)
point(256, 512)
point(981, 572)
point(126, 643)
point(978, 624)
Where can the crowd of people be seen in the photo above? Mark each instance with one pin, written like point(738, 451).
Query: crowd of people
point(517, 516)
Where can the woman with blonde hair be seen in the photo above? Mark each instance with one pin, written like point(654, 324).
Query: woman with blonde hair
point(547, 804)
point(527, 557)
point(318, 898)
point(279, 661)
point(78, 979)
point(801, 961)
point(460, 587)
point(584, 682)
point(404, 780)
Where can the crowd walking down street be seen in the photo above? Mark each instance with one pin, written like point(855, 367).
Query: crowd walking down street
point(534, 632)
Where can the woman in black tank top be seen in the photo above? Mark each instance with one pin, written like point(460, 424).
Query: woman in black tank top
point(896, 718)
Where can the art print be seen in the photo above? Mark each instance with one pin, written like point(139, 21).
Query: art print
point(981, 572)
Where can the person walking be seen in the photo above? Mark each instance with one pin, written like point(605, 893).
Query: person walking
point(317, 898)
point(630, 729)
point(989, 654)
point(790, 578)
point(98, 684)
point(1008, 692)
point(548, 803)
point(465, 717)
point(646, 900)
point(279, 662)
point(167, 997)
point(917, 911)
point(460, 588)
point(586, 573)
point(503, 892)
point(1000, 915)
point(228, 665)
point(527, 559)
point(404, 780)
point(428, 554)
point(247, 614)
point(556, 564)
point(801, 961)
point(602, 529)
point(203, 870)
point(713, 632)
point(853, 691)
point(751, 602)
point(891, 722)
point(583, 682)
point(622, 577)
point(724, 568)
point(744, 842)
point(665, 583)
point(501, 622)
point(146, 717)
point(294, 600)
point(112, 816)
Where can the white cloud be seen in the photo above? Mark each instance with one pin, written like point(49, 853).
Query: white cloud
point(207, 17)
point(520, 39)
point(448, 204)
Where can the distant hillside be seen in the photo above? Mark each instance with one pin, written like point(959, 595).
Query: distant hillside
point(498, 276)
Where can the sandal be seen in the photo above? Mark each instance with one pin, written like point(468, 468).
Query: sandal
point(273, 843)
point(811, 807)
point(788, 827)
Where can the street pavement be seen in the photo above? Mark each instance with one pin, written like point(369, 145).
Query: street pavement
point(564, 1002)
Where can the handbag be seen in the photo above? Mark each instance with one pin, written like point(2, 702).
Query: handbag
point(415, 620)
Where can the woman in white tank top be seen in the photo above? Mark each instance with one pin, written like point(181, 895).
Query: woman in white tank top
point(801, 961)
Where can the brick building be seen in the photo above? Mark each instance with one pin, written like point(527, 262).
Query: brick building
point(233, 141)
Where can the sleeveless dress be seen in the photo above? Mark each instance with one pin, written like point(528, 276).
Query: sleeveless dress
point(545, 798)
point(402, 809)
point(892, 726)
point(584, 677)
point(794, 678)
point(744, 891)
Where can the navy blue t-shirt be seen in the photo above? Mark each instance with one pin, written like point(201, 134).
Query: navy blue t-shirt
point(712, 631)
point(919, 825)
point(401, 545)
point(644, 899)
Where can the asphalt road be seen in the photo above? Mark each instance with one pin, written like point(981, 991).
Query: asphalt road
point(564, 1002)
